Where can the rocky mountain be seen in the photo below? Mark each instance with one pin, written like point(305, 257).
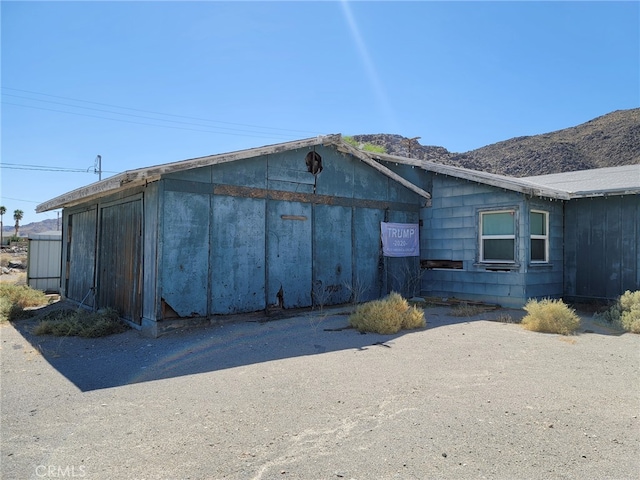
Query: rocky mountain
point(606, 141)
point(48, 225)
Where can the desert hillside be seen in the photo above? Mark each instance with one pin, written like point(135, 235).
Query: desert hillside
point(607, 141)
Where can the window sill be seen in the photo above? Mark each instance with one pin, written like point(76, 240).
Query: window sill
point(498, 267)
point(540, 265)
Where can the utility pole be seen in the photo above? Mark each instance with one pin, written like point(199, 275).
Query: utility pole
point(410, 142)
point(97, 166)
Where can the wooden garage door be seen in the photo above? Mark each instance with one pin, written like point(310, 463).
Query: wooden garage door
point(120, 259)
point(81, 259)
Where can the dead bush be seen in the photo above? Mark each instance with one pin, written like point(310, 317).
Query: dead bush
point(550, 316)
point(625, 313)
point(387, 316)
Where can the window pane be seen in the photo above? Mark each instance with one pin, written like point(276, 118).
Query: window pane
point(498, 223)
point(538, 253)
point(538, 224)
point(501, 249)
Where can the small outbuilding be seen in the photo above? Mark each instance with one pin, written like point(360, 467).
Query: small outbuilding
point(44, 260)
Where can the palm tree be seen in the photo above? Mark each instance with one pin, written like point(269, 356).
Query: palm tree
point(3, 210)
point(17, 216)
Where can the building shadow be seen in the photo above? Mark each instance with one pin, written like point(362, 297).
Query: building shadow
point(128, 358)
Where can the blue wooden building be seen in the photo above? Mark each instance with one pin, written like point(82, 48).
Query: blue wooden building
point(283, 226)
point(298, 224)
point(503, 240)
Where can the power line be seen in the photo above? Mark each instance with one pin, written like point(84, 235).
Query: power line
point(124, 114)
point(158, 113)
point(45, 168)
point(142, 123)
point(19, 200)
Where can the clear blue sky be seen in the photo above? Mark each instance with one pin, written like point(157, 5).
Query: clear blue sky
point(152, 82)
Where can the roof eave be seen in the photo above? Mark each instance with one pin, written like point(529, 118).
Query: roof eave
point(492, 179)
point(617, 192)
point(142, 176)
point(369, 159)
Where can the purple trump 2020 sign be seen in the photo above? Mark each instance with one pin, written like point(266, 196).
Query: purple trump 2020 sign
point(400, 239)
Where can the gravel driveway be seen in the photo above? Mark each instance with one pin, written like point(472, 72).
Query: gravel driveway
point(288, 399)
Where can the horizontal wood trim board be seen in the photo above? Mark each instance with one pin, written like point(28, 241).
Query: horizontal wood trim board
point(264, 193)
point(444, 264)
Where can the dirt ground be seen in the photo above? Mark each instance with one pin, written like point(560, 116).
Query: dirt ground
point(302, 398)
point(15, 276)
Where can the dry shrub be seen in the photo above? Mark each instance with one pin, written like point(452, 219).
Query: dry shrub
point(387, 316)
point(550, 316)
point(625, 313)
point(80, 323)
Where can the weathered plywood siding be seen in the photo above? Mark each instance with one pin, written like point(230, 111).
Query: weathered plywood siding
point(276, 234)
point(368, 282)
point(237, 254)
point(332, 254)
point(602, 247)
point(289, 260)
point(184, 272)
point(450, 232)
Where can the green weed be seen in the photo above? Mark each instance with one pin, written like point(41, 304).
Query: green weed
point(367, 147)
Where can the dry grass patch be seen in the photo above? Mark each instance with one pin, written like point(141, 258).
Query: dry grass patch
point(505, 318)
point(387, 316)
point(550, 316)
point(15, 298)
point(466, 310)
point(80, 323)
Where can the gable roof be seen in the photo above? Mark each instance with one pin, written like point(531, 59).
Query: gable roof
point(597, 182)
point(623, 180)
point(142, 176)
point(493, 179)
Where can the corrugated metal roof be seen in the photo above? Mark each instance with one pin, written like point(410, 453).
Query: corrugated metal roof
point(596, 182)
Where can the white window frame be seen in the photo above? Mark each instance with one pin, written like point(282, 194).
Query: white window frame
point(540, 237)
point(483, 237)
